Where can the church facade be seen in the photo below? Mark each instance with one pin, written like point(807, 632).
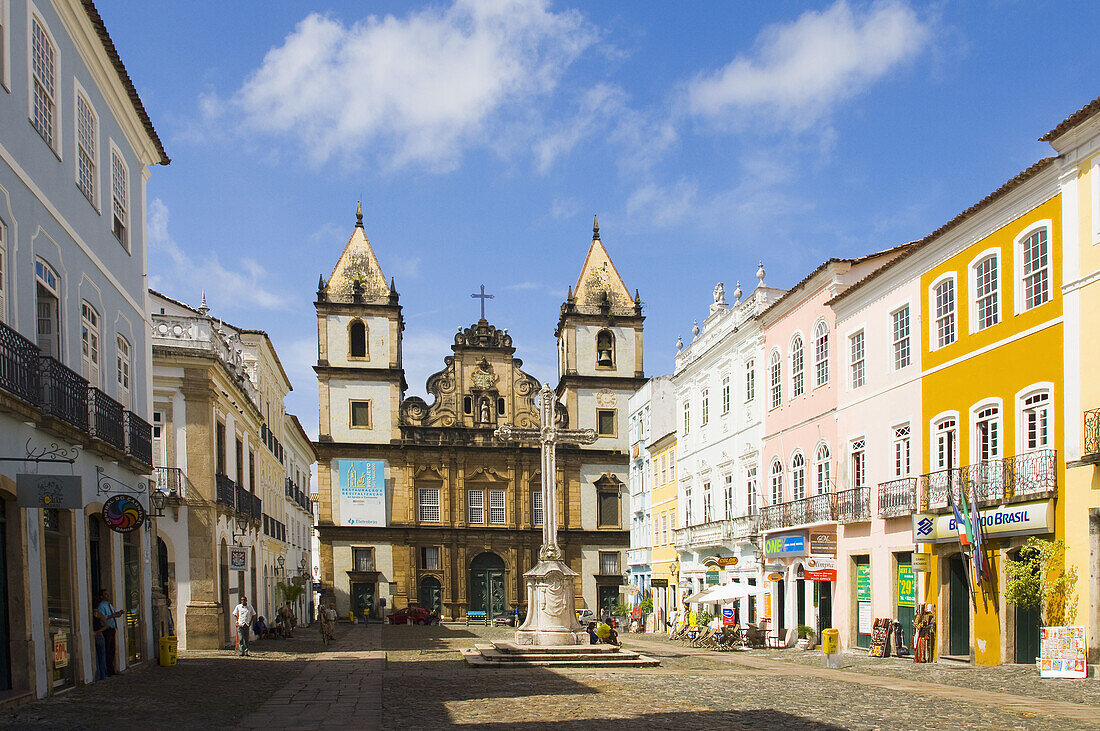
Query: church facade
point(419, 503)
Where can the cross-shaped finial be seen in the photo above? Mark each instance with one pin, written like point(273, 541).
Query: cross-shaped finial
point(482, 297)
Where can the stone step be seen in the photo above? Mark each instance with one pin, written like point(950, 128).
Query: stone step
point(506, 646)
point(510, 657)
point(477, 659)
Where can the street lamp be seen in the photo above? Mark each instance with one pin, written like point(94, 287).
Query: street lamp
point(281, 561)
point(158, 500)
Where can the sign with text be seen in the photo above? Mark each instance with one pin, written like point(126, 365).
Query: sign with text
point(1002, 521)
point(922, 562)
point(907, 586)
point(1062, 652)
point(785, 544)
point(820, 569)
point(727, 616)
point(712, 578)
point(728, 561)
point(659, 583)
point(362, 485)
point(238, 558)
point(63, 492)
point(866, 619)
point(823, 541)
point(863, 582)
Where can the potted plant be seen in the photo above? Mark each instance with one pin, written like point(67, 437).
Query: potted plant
point(805, 637)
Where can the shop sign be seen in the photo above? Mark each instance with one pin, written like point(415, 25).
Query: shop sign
point(767, 606)
point(863, 582)
point(907, 586)
point(49, 491)
point(775, 576)
point(728, 561)
point(1002, 521)
point(60, 650)
point(823, 541)
point(123, 513)
point(820, 569)
point(362, 492)
point(712, 578)
point(785, 544)
point(238, 558)
point(659, 583)
point(866, 618)
point(727, 616)
point(922, 562)
point(1062, 652)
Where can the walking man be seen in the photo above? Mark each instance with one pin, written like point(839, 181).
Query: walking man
point(244, 614)
point(107, 609)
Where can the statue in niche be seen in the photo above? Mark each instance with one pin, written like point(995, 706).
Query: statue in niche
point(484, 411)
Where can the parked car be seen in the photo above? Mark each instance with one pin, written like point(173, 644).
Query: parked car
point(584, 616)
point(411, 615)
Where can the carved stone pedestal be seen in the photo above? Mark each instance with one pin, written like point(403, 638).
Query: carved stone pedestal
point(551, 609)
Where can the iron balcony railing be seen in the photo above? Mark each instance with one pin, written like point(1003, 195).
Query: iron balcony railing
point(853, 506)
point(19, 365)
point(897, 497)
point(1023, 477)
point(106, 418)
point(717, 532)
point(64, 392)
point(226, 490)
point(139, 443)
point(1092, 435)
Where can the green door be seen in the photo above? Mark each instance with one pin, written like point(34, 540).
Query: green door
point(487, 585)
point(863, 601)
point(430, 595)
point(824, 591)
point(608, 599)
point(907, 582)
point(1027, 635)
point(362, 600)
point(958, 590)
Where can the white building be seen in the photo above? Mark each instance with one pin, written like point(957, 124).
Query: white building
point(719, 413)
point(652, 410)
point(76, 148)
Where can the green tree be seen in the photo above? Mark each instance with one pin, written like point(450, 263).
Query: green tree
point(647, 606)
point(291, 590)
point(1038, 579)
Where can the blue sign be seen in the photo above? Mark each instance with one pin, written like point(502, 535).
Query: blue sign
point(786, 544)
point(362, 492)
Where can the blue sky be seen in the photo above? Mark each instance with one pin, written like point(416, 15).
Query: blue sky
point(482, 136)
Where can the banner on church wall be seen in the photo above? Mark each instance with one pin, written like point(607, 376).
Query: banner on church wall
point(362, 485)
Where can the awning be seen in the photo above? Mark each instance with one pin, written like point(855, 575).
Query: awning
point(699, 596)
point(724, 593)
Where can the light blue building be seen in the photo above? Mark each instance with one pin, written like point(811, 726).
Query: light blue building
point(76, 148)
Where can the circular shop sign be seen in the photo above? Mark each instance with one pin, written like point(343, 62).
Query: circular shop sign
point(123, 513)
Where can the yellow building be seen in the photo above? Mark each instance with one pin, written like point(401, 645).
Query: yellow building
point(1077, 141)
point(663, 510)
point(991, 356)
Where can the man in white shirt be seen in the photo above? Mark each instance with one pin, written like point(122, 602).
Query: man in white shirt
point(244, 614)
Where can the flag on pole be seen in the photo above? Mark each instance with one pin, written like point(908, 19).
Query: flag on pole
point(960, 523)
point(981, 568)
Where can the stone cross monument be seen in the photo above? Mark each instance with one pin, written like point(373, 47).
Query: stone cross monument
point(551, 607)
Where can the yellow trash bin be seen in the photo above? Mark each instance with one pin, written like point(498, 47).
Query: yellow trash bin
point(830, 641)
point(169, 651)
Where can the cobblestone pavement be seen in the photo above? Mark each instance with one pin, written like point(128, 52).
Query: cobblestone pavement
point(413, 678)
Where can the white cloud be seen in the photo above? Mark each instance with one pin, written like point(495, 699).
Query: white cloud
point(243, 284)
point(802, 69)
point(422, 354)
point(418, 88)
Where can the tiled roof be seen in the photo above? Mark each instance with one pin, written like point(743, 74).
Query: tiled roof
point(919, 244)
point(1072, 120)
point(112, 53)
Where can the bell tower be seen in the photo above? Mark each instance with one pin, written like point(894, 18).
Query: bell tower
point(600, 349)
point(360, 378)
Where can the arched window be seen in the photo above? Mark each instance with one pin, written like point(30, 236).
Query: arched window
point(945, 437)
point(821, 354)
point(777, 482)
point(89, 343)
point(775, 371)
point(798, 477)
point(357, 339)
point(797, 362)
point(987, 432)
point(605, 349)
point(1037, 420)
point(47, 299)
point(822, 469)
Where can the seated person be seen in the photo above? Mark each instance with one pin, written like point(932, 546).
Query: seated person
point(592, 638)
point(259, 629)
point(613, 637)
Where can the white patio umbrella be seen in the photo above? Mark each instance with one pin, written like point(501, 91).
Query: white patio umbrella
point(701, 596)
point(730, 592)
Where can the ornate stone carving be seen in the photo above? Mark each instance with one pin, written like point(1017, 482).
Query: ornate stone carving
point(605, 399)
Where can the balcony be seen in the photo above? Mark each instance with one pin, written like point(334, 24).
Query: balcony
point(1091, 452)
point(107, 416)
point(204, 334)
point(177, 488)
point(638, 556)
point(897, 497)
point(1031, 476)
point(64, 393)
point(716, 533)
point(846, 506)
point(853, 506)
point(139, 441)
point(226, 490)
point(19, 365)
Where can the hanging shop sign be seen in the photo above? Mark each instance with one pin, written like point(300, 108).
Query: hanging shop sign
point(1062, 652)
point(922, 562)
point(823, 541)
point(659, 583)
point(63, 492)
point(728, 561)
point(782, 545)
point(362, 492)
point(767, 606)
point(123, 513)
point(820, 569)
point(775, 576)
point(1002, 521)
point(712, 578)
point(907, 586)
point(238, 558)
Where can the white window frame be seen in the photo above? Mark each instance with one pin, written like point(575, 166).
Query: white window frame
point(33, 15)
point(821, 353)
point(124, 370)
point(976, 420)
point(79, 151)
point(750, 381)
point(857, 461)
point(537, 514)
point(498, 513)
point(798, 476)
point(91, 344)
point(997, 294)
point(775, 481)
point(727, 495)
point(750, 490)
point(823, 469)
point(116, 152)
point(475, 506)
point(1020, 294)
point(904, 343)
point(704, 418)
point(775, 379)
point(935, 429)
point(687, 417)
point(725, 394)
point(798, 365)
point(934, 317)
point(1044, 387)
point(427, 499)
point(903, 450)
point(708, 503)
point(687, 505)
point(857, 360)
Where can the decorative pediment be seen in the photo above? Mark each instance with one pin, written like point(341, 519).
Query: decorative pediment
point(483, 473)
point(428, 472)
point(482, 335)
